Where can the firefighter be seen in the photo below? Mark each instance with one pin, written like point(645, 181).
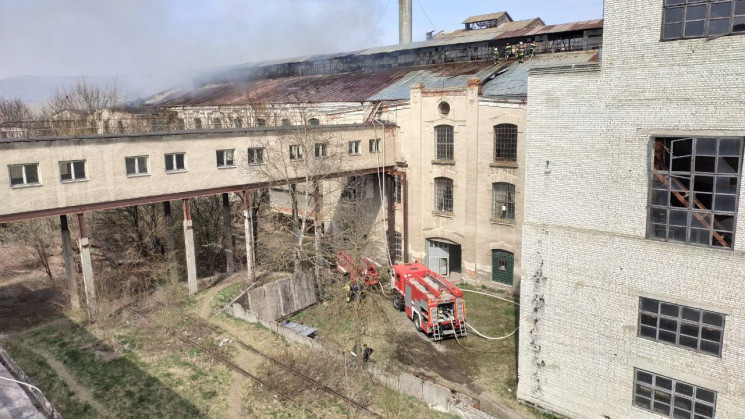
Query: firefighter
point(496, 55)
point(521, 52)
point(348, 289)
point(531, 49)
point(513, 50)
point(507, 50)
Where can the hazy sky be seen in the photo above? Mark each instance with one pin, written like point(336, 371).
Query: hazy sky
point(110, 37)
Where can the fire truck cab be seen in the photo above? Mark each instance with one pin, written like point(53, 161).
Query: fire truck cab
point(434, 304)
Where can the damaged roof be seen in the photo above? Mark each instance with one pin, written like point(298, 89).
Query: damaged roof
point(488, 16)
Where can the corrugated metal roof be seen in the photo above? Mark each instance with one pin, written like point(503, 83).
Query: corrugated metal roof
point(514, 82)
point(401, 89)
point(488, 16)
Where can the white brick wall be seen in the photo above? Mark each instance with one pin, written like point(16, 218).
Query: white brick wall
point(585, 220)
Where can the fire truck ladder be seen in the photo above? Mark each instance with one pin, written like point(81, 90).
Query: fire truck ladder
point(436, 333)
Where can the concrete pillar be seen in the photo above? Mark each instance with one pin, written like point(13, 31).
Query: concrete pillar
point(72, 283)
point(227, 234)
point(191, 256)
point(248, 225)
point(404, 21)
point(170, 243)
point(86, 265)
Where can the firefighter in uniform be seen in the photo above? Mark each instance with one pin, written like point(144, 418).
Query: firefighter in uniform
point(348, 289)
point(521, 52)
point(513, 50)
point(531, 49)
point(496, 55)
point(507, 50)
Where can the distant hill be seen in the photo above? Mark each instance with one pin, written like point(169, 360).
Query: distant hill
point(35, 90)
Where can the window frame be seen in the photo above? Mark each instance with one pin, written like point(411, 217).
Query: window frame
point(397, 189)
point(508, 203)
point(73, 171)
point(314, 122)
point(444, 191)
point(323, 148)
point(225, 164)
point(197, 123)
point(680, 322)
point(667, 185)
point(253, 153)
point(137, 166)
point(297, 154)
point(355, 148)
point(374, 145)
point(26, 183)
point(217, 123)
point(444, 143)
point(707, 19)
point(238, 122)
point(174, 161)
point(398, 247)
point(260, 122)
point(675, 390)
point(505, 143)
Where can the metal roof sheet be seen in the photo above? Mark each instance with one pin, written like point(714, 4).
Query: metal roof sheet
point(488, 16)
point(401, 89)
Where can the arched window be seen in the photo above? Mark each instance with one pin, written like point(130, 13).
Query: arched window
point(443, 194)
point(238, 123)
point(120, 127)
point(198, 123)
point(505, 142)
point(444, 143)
point(503, 201)
point(313, 121)
point(286, 122)
point(217, 123)
point(180, 124)
point(260, 122)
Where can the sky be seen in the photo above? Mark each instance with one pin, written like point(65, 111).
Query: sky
point(126, 37)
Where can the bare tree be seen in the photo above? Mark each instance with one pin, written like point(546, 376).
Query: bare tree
point(71, 110)
point(37, 237)
point(14, 111)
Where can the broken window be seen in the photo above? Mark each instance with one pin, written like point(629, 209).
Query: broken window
point(198, 123)
point(175, 162)
point(217, 123)
point(443, 194)
point(238, 123)
point(444, 143)
point(260, 122)
point(120, 127)
point(314, 121)
point(225, 158)
point(24, 174)
point(180, 124)
point(702, 18)
point(321, 150)
point(286, 122)
point(505, 142)
point(672, 398)
point(72, 171)
point(503, 202)
point(296, 152)
point(375, 146)
point(256, 155)
point(136, 165)
point(683, 326)
point(354, 147)
point(694, 187)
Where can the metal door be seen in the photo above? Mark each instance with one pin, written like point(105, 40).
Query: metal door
point(438, 255)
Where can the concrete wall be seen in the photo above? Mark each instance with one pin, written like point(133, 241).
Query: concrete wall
point(105, 164)
point(283, 297)
point(473, 173)
point(584, 246)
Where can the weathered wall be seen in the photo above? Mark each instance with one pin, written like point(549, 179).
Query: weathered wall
point(283, 297)
point(585, 220)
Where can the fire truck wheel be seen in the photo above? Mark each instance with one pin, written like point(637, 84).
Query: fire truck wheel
point(417, 322)
point(398, 302)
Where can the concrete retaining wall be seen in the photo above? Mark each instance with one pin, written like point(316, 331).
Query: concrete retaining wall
point(436, 395)
point(283, 297)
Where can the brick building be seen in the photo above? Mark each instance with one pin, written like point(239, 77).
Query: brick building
point(633, 239)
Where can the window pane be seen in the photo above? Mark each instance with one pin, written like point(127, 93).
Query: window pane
point(79, 169)
point(705, 395)
point(704, 410)
point(688, 341)
point(180, 161)
point(65, 171)
point(696, 12)
point(644, 376)
point(645, 391)
point(728, 165)
point(724, 222)
point(725, 203)
point(142, 165)
point(683, 403)
point(676, 234)
point(683, 388)
point(726, 185)
point(705, 164)
point(706, 147)
point(720, 10)
point(662, 408)
point(649, 319)
point(260, 155)
point(738, 25)
point(693, 29)
point(712, 334)
point(689, 329)
point(674, 15)
point(32, 173)
point(668, 324)
point(649, 332)
point(650, 305)
point(669, 309)
point(678, 218)
point(220, 158)
point(719, 26)
point(672, 31)
point(681, 414)
point(16, 175)
point(701, 237)
point(673, 2)
point(739, 7)
point(169, 161)
point(130, 162)
point(710, 347)
point(667, 336)
point(714, 319)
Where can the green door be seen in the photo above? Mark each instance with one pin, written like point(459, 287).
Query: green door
point(502, 266)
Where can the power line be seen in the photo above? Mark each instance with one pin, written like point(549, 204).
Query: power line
point(425, 14)
point(376, 23)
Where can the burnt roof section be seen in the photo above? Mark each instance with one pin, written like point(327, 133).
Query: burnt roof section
point(488, 16)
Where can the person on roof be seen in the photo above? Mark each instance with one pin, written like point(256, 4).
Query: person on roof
point(531, 49)
point(521, 52)
point(496, 55)
point(507, 50)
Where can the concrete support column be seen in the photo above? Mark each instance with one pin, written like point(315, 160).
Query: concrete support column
point(86, 265)
point(248, 225)
point(72, 283)
point(227, 234)
point(170, 243)
point(191, 256)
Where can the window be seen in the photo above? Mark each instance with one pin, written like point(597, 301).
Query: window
point(681, 325)
point(397, 189)
point(700, 18)
point(137, 165)
point(217, 123)
point(398, 247)
point(354, 147)
point(694, 187)
point(180, 124)
point(375, 146)
point(156, 125)
point(260, 122)
point(225, 158)
point(321, 150)
point(24, 174)
point(296, 152)
point(175, 162)
point(505, 142)
point(444, 142)
point(503, 202)
point(672, 398)
point(72, 171)
point(502, 266)
point(444, 108)
point(255, 156)
point(107, 127)
point(286, 122)
point(120, 127)
point(238, 123)
point(314, 121)
point(443, 194)
point(94, 127)
point(198, 123)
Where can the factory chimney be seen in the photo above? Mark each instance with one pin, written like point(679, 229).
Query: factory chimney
point(404, 21)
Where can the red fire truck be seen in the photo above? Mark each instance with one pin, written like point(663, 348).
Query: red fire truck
point(366, 269)
point(434, 304)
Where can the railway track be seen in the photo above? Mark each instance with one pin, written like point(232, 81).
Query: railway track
point(221, 358)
